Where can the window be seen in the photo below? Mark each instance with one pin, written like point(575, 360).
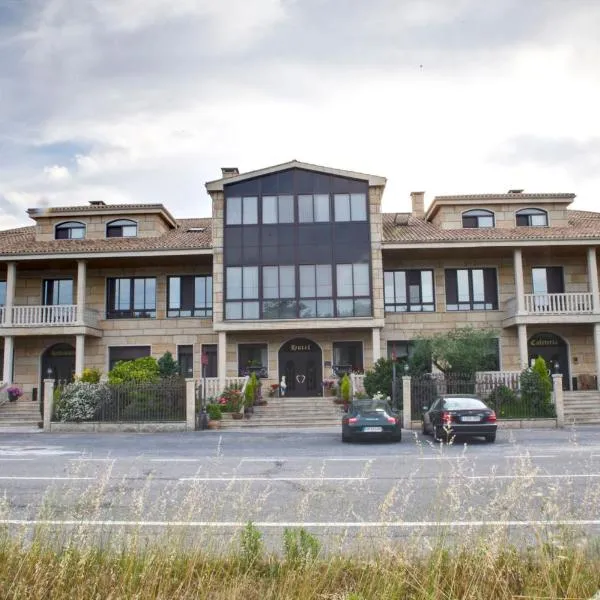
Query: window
point(57, 292)
point(185, 359)
point(131, 298)
point(347, 356)
point(71, 230)
point(316, 291)
point(190, 296)
point(409, 291)
point(121, 228)
point(478, 218)
point(402, 349)
point(252, 355)
point(350, 207)
point(532, 217)
point(119, 353)
point(353, 290)
point(242, 211)
point(241, 287)
point(2, 293)
point(278, 209)
point(211, 367)
point(313, 208)
point(279, 292)
point(547, 280)
point(471, 289)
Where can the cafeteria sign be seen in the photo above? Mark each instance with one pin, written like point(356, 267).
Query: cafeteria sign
point(545, 339)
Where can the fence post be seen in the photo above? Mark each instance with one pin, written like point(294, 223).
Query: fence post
point(406, 402)
point(190, 404)
point(48, 402)
point(559, 403)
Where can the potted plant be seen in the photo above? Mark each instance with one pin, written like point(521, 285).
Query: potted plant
point(214, 416)
point(345, 391)
point(14, 393)
point(250, 395)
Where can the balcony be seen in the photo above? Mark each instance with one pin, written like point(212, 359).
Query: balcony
point(570, 307)
point(57, 316)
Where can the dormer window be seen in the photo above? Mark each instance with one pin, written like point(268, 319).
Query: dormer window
point(532, 217)
point(121, 228)
point(71, 230)
point(477, 219)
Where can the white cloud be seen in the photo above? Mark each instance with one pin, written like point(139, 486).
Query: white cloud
point(57, 173)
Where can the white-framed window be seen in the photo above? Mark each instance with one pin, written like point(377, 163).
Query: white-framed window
point(121, 228)
point(478, 218)
point(69, 230)
point(532, 217)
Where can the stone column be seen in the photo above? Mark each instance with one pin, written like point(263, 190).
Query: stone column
point(406, 402)
point(596, 351)
point(222, 359)
point(9, 353)
point(79, 354)
point(81, 284)
point(190, 404)
point(48, 392)
point(559, 403)
point(593, 279)
point(376, 344)
point(11, 283)
point(523, 351)
point(519, 282)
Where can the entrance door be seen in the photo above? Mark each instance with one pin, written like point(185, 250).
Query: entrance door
point(553, 349)
point(58, 363)
point(300, 361)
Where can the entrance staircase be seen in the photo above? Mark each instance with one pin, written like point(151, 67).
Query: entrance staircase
point(291, 413)
point(22, 412)
point(582, 407)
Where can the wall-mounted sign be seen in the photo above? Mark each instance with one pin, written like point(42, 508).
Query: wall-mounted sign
point(545, 339)
point(300, 345)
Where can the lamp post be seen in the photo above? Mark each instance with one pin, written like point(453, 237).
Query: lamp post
point(394, 359)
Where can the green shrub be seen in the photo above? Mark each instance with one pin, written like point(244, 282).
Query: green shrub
point(251, 545)
point(501, 396)
point(540, 367)
point(301, 547)
point(250, 391)
point(90, 376)
point(80, 401)
point(140, 370)
point(214, 412)
point(345, 388)
point(536, 389)
point(379, 379)
point(168, 367)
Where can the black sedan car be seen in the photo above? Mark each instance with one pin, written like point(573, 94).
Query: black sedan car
point(459, 415)
point(371, 419)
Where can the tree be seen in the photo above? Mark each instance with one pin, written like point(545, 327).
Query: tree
point(462, 350)
point(168, 366)
point(140, 370)
point(379, 379)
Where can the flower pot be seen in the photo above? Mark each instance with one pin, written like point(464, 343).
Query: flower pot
point(237, 415)
point(214, 424)
point(12, 398)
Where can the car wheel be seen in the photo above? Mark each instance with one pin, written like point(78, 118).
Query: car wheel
point(490, 438)
point(345, 438)
point(398, 438)
point(424, 429)
point(438, 434)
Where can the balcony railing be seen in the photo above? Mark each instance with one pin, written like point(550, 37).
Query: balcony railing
point(571, 303)
point(44, 316)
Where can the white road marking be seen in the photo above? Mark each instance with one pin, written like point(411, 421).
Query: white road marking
point(545, 476)
point(32, 478)
point(317, 458)
point(530, 456)
point(273, 479)
point(178, 459)
point(13, 459)
point(90, 459)
point(314, 524)
point(442, 457)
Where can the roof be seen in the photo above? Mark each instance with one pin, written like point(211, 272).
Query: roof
point(117, 209)
point(217, 184)
point(582, 225)
point(22, 241)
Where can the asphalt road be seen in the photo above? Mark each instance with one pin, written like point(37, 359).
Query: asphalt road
point(205, 486)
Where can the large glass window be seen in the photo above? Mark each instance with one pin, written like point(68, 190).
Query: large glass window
point(279, 292)
point(241, 211)
point(121, 228)
point(316, 291)
point(353, 290)
point(278, 209)
point(241, 293)
point(347, 356)
point(71, 230)
point(125, 353)
point(350, 207)
point(477, 219)
point(190, 296)
point(253, 357)
point(131, 298)
point(409, 291)
point(2, 293)
point(532, 217)
point(57, 292)
point(185, 359)
point(313, 208)
point(471, 289)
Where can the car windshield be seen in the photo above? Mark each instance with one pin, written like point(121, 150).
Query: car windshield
point(463, 403)
point(371, 406)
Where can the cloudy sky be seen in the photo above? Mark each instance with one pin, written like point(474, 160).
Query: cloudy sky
point(145, 100)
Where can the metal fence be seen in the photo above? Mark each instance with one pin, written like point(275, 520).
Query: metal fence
point(162, 401)
point(506, 395)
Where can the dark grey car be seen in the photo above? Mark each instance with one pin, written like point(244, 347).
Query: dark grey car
point(371, 419)
point(459, 415)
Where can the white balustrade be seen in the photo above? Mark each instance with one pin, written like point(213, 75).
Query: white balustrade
point(358, 383)
point(570, 303)
point(43, 316)
point(508, 378)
